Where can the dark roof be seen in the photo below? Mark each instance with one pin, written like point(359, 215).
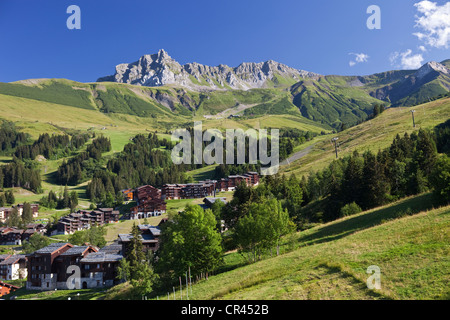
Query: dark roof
point(52, 247)
point(97, 257)
point(4, 256)
point(113, 248)
point(146, 238)
point(76, 250)
point(156, 231)
point(12, 259)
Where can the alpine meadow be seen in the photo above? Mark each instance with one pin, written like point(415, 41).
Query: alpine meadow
point(95, 203)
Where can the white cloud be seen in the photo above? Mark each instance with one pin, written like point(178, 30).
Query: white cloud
point(434, 22)
point(359, 58)
point(406, 60)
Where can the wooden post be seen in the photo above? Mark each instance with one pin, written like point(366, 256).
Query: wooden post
point(187, 288)
point(190, 278)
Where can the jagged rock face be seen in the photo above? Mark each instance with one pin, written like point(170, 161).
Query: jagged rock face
point(160, 69)
point(430, 67)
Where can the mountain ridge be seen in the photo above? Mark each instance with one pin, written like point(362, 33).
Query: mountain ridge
point(157, 85)
point(393, 87)
point(160, 69)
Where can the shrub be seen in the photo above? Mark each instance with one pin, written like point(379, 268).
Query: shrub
point(350, 209)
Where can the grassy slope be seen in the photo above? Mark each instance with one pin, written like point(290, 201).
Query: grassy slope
point(330, 261)
point(412, 253)
point(331, 100)
point(372, 135)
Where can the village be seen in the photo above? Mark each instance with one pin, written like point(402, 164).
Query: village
point(47, 268)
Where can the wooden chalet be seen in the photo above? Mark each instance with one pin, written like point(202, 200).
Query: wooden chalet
point(149, 238)
point(42, 271)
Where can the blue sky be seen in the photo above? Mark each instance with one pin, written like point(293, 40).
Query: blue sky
point(326, 36)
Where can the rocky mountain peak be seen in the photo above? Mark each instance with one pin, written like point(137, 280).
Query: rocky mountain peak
point(430, 67)
point(160, 69)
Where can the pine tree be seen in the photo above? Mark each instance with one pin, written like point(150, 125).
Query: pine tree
point(135, 254)
point(352, 182)
point(375, 184)
point(10, 199)
point(27, 214)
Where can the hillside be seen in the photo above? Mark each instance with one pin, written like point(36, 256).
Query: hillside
point(372, 135)
point(331, 260)
point(157, 86)
point(408, 241)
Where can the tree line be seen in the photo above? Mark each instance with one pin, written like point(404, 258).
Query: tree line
point(10, 137)
point(408, 167)
point(20, 174)
point(52, 146)
point(82, 166)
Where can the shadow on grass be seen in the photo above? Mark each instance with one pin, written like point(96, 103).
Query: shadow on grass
point(351, 225)
point(355, 282)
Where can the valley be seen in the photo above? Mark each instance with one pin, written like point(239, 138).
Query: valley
point(324, 258)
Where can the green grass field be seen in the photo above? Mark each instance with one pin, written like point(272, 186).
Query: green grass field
point(331, 260)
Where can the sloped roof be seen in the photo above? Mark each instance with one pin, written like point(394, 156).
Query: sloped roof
point(97, 257)
point(12, 259)
point(52, 247)
point(76, 250)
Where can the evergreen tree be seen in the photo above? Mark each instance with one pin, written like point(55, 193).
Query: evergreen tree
point(73, 200)
point(352, 182)
point(27, 214)
point(10, 199)
point(426, 152)
point(2, 200)
point(440, 179)
point(14, 219)
point(375, 186)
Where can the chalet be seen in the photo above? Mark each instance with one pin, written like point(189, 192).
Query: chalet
point(6, 288)
point(68, 258)
point(150, 208)
point(83, 219)
point(99, 269)
point(198, 190)
point(128, 194)
point(47, 267)
point(13, 267)
point(15, 236)
point(110, 215)
point(189, 190)
point(231, 182)
point(149, 203)
point(146, 193)
point(42, 272)
point(149, 238)
point(171, 192)
point(11, 236)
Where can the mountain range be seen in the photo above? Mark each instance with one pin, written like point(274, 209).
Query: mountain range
point(157, 84)
point(161, 70)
